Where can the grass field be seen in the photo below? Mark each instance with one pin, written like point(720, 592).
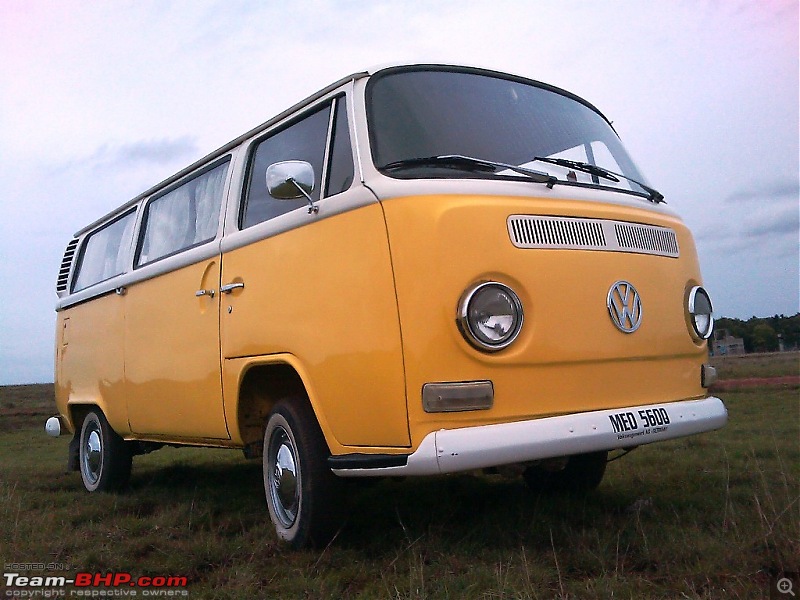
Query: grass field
point(757, 365)
point(712, 516)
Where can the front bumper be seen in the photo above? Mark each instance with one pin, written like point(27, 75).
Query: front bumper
point(468, 448)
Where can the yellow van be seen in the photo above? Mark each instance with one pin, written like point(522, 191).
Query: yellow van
point(420, 269)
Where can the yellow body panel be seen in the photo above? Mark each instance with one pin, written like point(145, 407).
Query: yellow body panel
point(172, 361)
point(324, 294)
point(90, 359)
point(569, 356)
point(362, 306)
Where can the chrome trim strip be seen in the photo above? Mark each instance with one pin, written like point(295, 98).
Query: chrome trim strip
point(323, 177)
point(468, 448)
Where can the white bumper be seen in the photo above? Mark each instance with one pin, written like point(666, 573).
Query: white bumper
point(453, 450)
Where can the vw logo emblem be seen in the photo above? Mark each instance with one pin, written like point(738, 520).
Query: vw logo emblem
point(624, 306)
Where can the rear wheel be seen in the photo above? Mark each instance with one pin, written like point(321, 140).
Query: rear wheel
point(581, 473)
point(103, 456)
point(304, 497)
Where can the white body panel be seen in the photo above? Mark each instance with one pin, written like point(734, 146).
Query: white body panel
point(454, 450)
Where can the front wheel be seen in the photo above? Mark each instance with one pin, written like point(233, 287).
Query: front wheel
point(104, 457)
point(303, 495)
point(581, 473)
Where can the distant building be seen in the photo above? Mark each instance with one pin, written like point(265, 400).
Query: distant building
point(724, 344)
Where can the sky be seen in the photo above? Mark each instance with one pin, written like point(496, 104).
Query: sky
point(101, 100)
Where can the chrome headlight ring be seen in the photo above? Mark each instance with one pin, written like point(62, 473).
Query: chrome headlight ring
point(700, 313)
point(489, 315)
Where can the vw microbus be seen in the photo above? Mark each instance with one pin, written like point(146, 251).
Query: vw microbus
point(420, 269)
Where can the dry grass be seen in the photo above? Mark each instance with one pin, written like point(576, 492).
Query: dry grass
point(26, 405)
point(712, 516)
point(774, 364)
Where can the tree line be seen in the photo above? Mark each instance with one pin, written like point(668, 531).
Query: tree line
point(764, 334)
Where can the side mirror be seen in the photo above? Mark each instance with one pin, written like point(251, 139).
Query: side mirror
point(291, 179)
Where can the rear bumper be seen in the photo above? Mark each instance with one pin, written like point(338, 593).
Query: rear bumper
point(454, 450)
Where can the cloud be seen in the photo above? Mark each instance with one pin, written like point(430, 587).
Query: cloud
point(769, 192)
point(757, 219)
point(752, 231)
point(144, 152)
point(786, 221)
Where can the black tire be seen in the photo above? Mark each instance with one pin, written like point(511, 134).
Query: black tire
point(582, 473)
point(304, 497)
point(103, 456)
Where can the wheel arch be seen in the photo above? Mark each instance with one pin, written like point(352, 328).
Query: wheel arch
point(262, 382)
point(78, 410)
point(76, 413)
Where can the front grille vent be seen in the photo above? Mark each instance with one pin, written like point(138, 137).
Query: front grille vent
point(647, 239)
point(572, 233)
point(66, 265)
point(548, 232)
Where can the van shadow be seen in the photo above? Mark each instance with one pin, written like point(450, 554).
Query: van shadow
point(382, 515)
point(465, 510)
point(225, 486)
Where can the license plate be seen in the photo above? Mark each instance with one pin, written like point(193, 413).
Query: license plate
point(636, 422)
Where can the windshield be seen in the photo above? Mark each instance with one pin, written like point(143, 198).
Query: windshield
point(434, 112)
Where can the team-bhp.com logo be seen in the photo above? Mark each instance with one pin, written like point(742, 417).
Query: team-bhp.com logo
point(86, 584)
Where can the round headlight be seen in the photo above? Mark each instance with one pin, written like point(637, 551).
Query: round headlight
point(701, 314)
point(490, 315)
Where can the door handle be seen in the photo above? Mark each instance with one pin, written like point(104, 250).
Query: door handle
point(200, 293)
point(121, 290)
point(228, 288)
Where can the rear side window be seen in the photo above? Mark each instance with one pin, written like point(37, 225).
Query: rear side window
point(303, 140)
point(105, 252)
point(184, 217)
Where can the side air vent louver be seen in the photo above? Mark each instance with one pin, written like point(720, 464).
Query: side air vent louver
point(66, 265)
point(591, 234)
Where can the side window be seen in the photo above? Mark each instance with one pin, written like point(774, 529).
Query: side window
point(104, 252)
point(185, 217)
point(303, 140)
point(340, 169)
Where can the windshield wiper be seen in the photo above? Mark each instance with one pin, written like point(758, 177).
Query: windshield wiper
point(480, 165)
point(653, 195)
point(468, 163)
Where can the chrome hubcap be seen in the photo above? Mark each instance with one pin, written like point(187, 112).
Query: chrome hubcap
point(93, 453)
point(283, 478)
